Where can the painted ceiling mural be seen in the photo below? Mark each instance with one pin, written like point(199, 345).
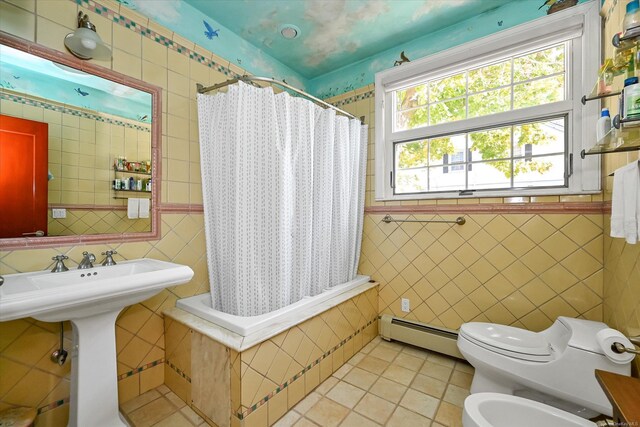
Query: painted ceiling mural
point(341, 43)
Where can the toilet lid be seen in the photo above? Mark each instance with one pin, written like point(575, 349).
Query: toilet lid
point(511, 341)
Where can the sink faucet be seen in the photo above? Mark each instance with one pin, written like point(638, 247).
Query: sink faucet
point(59, 267)
point(109, 258)
point(87, 260)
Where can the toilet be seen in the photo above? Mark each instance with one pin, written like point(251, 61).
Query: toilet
point(555, 366)
point(503, 410)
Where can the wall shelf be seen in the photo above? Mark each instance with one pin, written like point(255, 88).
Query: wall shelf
point(616, 141)
point(626, 40)
point(593, 96)
point(132, 191)
point(134, 172)
point(620, 138)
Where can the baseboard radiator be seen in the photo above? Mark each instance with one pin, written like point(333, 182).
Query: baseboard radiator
point(432, 338)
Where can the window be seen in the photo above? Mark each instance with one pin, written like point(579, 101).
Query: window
point(506, 121)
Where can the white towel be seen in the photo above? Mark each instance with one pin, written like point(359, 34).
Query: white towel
point(132, 207)
point(143, 208)
point(625, 203)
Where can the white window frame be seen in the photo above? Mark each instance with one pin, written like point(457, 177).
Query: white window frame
point(580, 25)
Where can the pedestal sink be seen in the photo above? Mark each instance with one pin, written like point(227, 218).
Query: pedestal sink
point(91, 299)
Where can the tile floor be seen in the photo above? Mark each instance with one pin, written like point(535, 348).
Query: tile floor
point(385, 384)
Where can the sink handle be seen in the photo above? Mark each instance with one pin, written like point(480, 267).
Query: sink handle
point(87, 260)
point(109, 258)
point(59, 267)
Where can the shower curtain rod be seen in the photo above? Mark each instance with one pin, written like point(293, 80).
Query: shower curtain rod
point(249, 79)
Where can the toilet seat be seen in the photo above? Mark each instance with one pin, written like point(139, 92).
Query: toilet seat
point(509, 341)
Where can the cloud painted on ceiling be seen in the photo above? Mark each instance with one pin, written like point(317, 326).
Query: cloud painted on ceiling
point(192, 24)
point(337, 33)
point(343, 43)
point(363, 72)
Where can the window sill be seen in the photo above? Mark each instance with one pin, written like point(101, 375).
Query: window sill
point(483, 195)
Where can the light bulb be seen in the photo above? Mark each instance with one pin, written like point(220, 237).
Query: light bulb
point(88, 43)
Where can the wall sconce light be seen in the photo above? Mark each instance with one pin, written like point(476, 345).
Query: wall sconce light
point(85, 43)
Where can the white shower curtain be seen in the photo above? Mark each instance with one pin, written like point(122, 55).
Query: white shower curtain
point(283, 187)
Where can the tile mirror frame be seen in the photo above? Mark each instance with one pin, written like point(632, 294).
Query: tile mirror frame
point(156, 150)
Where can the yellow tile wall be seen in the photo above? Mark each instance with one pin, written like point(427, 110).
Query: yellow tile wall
point(621, 260)
point(513, 269)
point(25, 345)
point(81, 221)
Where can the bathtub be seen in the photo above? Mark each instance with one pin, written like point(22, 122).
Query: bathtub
point(200, 305)
point(306, 342)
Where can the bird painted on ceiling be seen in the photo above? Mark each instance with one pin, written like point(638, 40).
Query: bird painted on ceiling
point(547, 3)
point(81, 92)
point(210, 33)
point(403, 59)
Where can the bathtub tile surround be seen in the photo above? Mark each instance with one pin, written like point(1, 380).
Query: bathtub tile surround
point(357, 394)
point(264, 379)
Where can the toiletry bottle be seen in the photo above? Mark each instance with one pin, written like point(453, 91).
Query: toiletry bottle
point(125, 184)
point(604, 125)
point(132, 184)
point(632, 18)
point(149, 184)
point(139, 185)
point(630, 99)
point(605, 78)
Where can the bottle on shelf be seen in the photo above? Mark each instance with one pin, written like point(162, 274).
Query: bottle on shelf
point(630, 101)
point(605, 78)
point(631, 21)
point(604, 125)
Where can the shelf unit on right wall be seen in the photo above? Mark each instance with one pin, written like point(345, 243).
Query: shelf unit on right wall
point(624, 135)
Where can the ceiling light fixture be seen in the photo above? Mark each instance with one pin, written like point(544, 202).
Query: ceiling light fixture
point(289, 31)
point(85, 43)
